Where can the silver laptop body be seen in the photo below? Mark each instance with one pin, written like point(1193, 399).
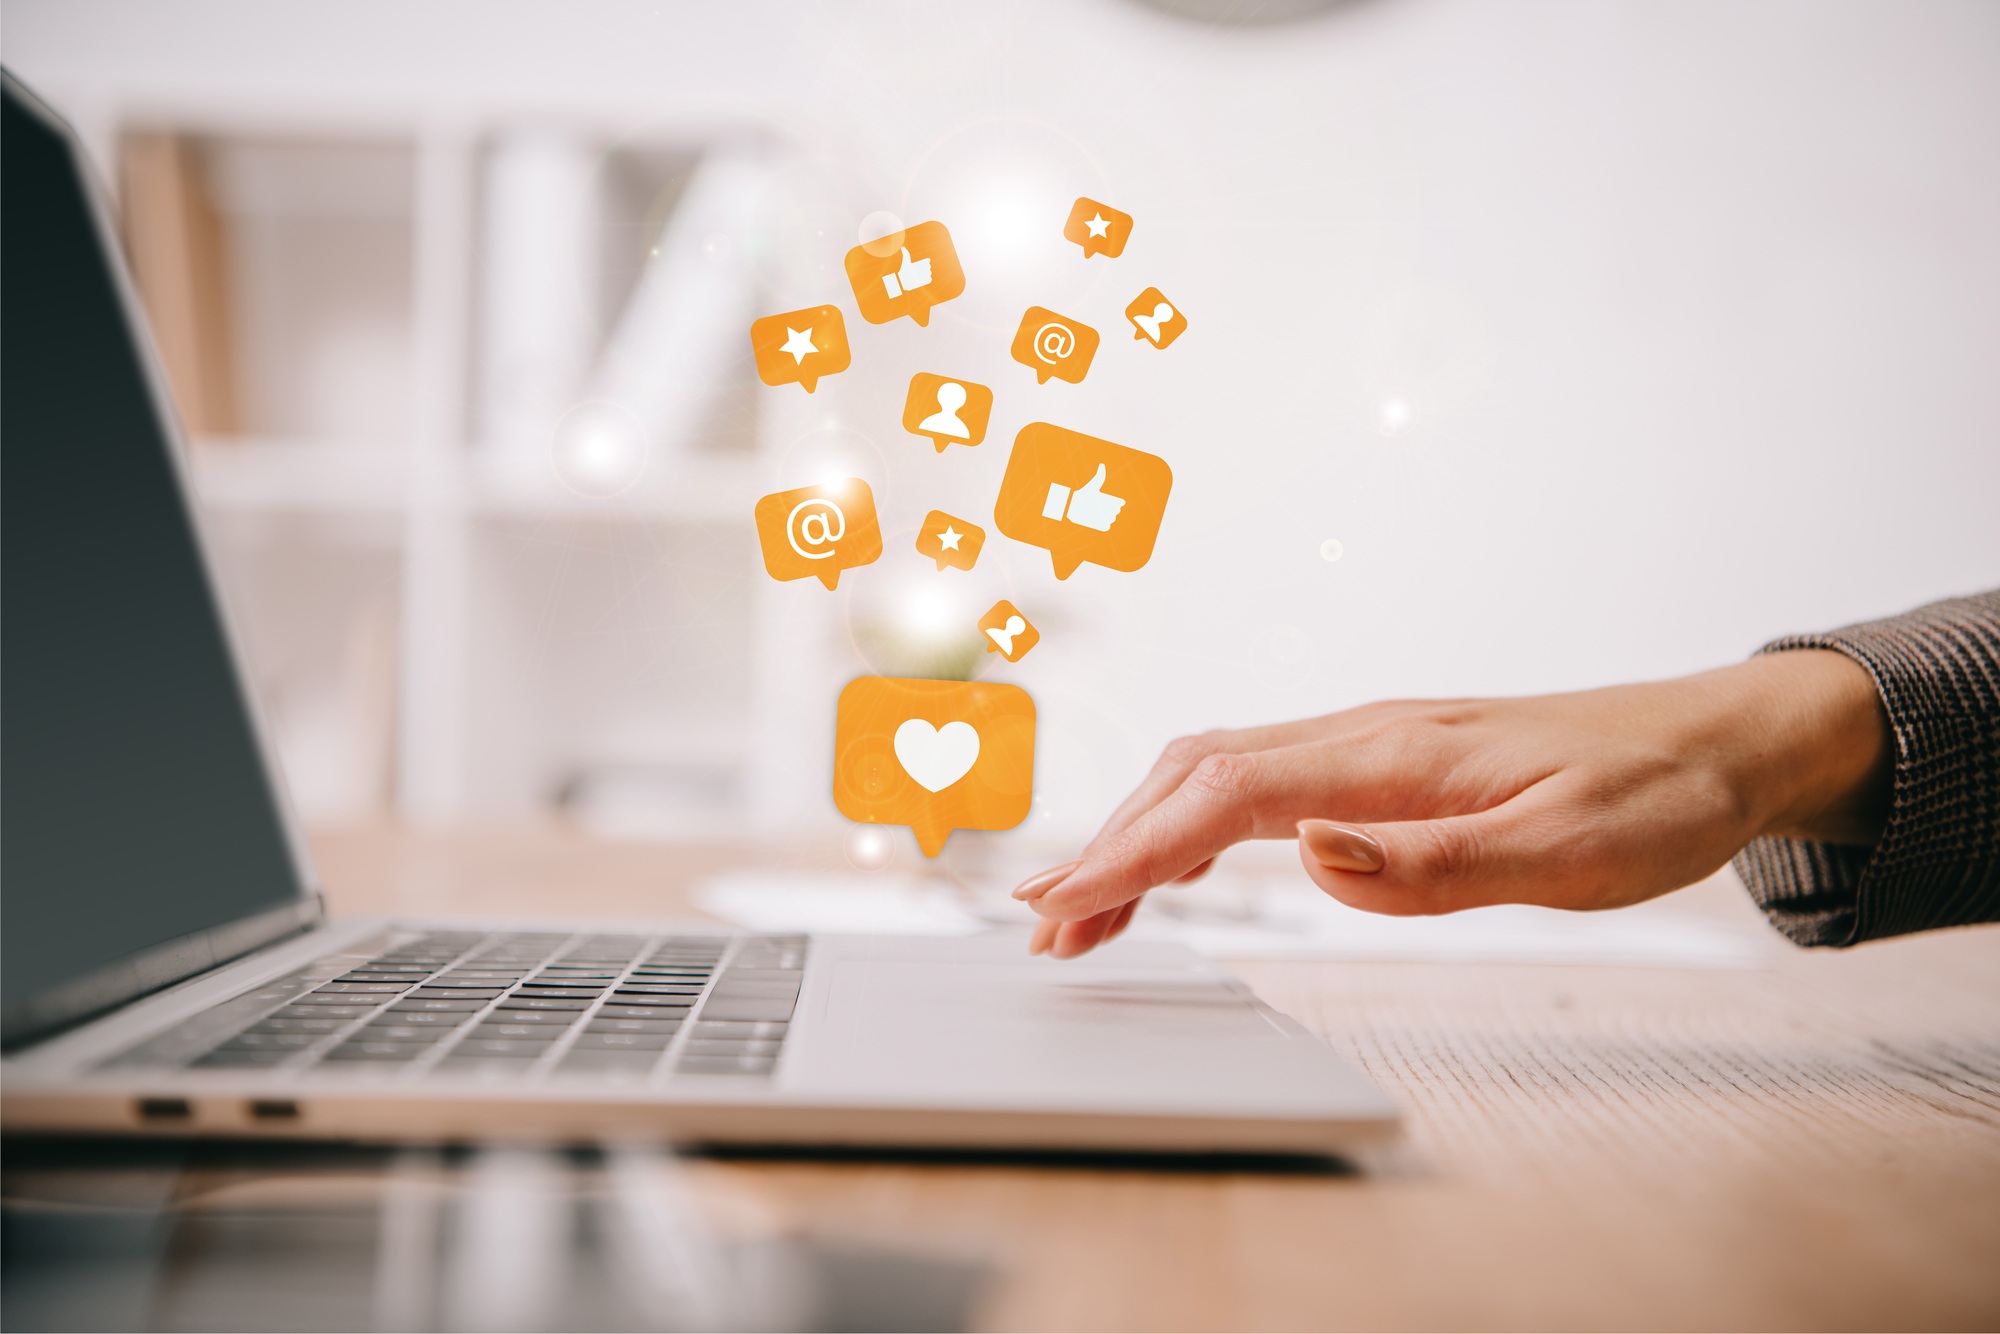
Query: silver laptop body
point(169, 968)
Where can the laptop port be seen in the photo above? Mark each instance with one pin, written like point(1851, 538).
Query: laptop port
point(274, 1109)
point(164, 1109)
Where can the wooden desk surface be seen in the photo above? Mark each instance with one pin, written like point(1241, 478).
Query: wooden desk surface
point(1812, 1144)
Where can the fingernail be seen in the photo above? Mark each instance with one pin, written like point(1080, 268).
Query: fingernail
point(1341, 847)
point(1037, 885)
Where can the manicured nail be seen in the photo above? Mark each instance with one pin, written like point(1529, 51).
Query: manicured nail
point(1341, 847)
point(1037, 885)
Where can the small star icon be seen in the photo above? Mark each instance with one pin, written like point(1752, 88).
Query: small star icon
point(1098, 226)
point(948, 539)
point(800, 344)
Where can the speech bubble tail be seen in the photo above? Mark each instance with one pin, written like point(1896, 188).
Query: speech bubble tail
point(941, 564)
point(931, 837)
point(1065, 566)
point(922, 315)
point(810, 382)
point(1042, 377)
point(991, 647)
point(1137, 334)
point(831, 578)
point(939, 443)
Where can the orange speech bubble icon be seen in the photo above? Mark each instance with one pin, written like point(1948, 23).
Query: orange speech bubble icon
point(905, 273)
point(947, 411)
point(934, 755)
point(1099, 228)
point(1154, 318)
point(799, 346)
point(815, 532)
point(951, 542)
point(1051, 344)
point(1007, 631)
point(1082, 498)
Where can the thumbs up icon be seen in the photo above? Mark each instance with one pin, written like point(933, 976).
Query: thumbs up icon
point(1088, 505)
point(889, 281)
point(913, 274)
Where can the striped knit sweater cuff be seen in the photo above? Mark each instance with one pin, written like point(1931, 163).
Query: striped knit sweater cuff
point(1938, 864)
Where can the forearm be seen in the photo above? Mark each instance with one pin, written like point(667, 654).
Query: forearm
point(1935, 674)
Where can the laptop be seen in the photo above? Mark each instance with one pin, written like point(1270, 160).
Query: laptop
point(169, 967)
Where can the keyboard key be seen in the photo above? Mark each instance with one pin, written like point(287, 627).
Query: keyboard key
point(478, 1046)
point(360, 988)
point(555, 1020)
point(360, 1004)
point(470, 986)
point(443, 1021)
point(731, 1047)
point(649, 1007)
point(712, 1028)
point(592, 1041)
point(519, 1002)
point(387, 1032)
point(241, 1057)
point(377, 1051)
point(659, 988)
point(366, 975)
point(634, 1026)
point(609, 1062)
point(567, 993)
point(287, 1041)
point(286, 1024)
point(522, 1032)
point(488, 1067)
point(416, 1005)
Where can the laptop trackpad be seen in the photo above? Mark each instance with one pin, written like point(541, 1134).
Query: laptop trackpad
point(959, 1021)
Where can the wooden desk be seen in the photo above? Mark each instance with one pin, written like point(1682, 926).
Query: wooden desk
point(1815, 1144)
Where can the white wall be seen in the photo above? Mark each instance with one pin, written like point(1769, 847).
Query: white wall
point(1694, 308)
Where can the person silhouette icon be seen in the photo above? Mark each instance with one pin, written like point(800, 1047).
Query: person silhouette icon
point(1150, 324)
point(945, 421)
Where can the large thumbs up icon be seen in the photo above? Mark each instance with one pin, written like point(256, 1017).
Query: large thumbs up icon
point(1088, 505)
point(1037, 504)
point(912, 274)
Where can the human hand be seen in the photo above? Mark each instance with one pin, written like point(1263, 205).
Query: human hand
point(1589, 800)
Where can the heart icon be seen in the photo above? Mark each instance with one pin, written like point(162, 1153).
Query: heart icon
point(936, 757)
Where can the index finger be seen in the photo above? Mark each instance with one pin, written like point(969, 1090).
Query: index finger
point(1179, 759)
point(1224, 800)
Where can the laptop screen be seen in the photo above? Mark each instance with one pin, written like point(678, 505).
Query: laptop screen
point(138, 816)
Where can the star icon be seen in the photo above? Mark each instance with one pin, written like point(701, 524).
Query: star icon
point(1098, 226)
point(949, 538)
point(800, 344)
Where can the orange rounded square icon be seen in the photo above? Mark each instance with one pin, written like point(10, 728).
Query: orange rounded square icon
point(799, 346)
point(1083, 499)
point(1051, 344)
point(947, 411)
point(951, 542)
point(1099, 228)
point(1007, 631)
point(815, 532)
point(905, 273)
point(1154, 318)
point(934, 755)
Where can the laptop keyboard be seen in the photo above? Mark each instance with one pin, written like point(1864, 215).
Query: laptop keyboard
point(452, 1004)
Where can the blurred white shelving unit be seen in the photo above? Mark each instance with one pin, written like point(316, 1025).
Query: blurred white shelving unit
point(441, 625)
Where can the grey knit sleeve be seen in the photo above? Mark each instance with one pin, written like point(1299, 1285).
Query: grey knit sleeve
point(1938, 864)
